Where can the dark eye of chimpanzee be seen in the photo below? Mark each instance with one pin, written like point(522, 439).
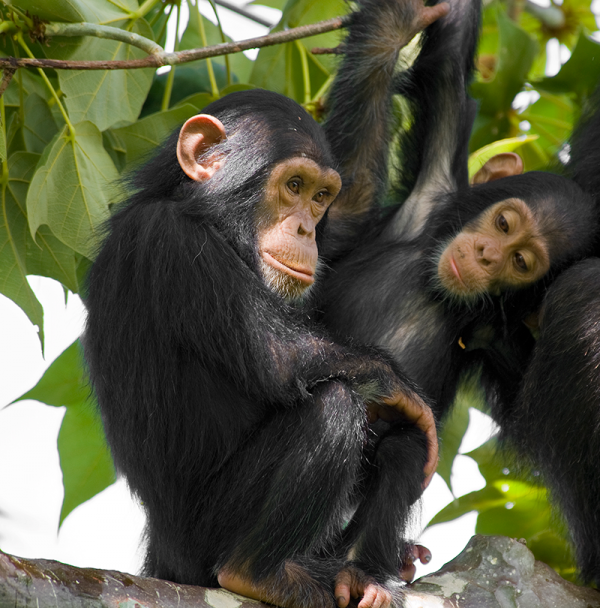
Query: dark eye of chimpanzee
point(520, 261)
point(294, 185)
point(320, 196)
point(502, 223)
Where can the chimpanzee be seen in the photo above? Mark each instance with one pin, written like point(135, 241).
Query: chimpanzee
point(451, 280)
point(240, 425)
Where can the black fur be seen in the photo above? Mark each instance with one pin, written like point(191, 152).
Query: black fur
point(240, 425)
point(386, 292)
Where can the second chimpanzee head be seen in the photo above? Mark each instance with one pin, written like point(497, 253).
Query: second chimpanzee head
point(509, 230)
point(262, 166)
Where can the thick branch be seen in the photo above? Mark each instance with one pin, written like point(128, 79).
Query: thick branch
point(103, 31)
point(159, 59)
point(492, 572)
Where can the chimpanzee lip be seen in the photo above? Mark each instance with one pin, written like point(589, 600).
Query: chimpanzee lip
point(302, 273)
point(455, 270)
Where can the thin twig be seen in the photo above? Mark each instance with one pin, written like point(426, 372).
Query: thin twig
point(7, 75)
point(160, 59)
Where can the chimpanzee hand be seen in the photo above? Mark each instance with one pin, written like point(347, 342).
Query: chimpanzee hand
point(409, 407)
point(352, 582)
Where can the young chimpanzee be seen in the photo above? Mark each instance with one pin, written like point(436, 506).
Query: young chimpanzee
point(447, 279)
point(243, 428)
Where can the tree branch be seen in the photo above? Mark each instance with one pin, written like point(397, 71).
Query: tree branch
point(103, 31)
point(159, 59)
point(492, 571)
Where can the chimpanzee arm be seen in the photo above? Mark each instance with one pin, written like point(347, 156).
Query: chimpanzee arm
point(361, 99)
point(433, 151)
point(176, 284)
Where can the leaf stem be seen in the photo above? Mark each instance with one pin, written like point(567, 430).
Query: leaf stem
point(171, 75)
point(305, 71)
point(209, 66)
point(143, 10)
point(227, 64)
point(50, 87)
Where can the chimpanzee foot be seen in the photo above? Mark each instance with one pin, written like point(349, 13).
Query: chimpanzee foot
point(414, 553)
point(292, 587)
point(352, 582)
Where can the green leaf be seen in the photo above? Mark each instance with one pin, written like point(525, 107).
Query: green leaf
point(580, 74)
point(514, 505)
point(240, 65)
point(515, 57)
point(105, 97)
point(64, 382)
point(284, 59)
point(271, 3)
point(84, 458)
point(552, 118)
point(39, 127)
point(49, 257)
point(70, 189)
point(478, 158)
point(13, 238)
point(96, 11)
point(145, 135)
point(453, 430)
point(189, 79)
point(28, 82)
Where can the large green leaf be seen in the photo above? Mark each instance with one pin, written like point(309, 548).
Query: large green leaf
point(84, 458)
point(453, 430)
point(513, 505)
point(552, 118)
point(513, 144)
point(93, 11)
point(240, 65)
point(145, 135)
point(580, 74)
point(13, 238)
point(189, 79)
point(47, 256)
point(39, 127)
point(70, 191)
point(515, 56)
point(279, 68)
point(105, 97)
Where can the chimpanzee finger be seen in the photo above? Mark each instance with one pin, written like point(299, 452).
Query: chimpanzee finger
point(420, 414)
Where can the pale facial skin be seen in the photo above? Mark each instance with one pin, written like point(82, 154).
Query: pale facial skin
point(297, 195)
point(502, 248)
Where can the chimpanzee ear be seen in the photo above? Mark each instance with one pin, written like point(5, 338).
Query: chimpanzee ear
point(501, 165)
point(197, 135)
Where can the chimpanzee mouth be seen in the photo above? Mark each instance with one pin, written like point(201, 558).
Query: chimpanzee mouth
point(298, 271)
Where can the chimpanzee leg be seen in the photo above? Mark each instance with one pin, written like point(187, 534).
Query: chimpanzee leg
point(376, 532)
point(557, 419)
point(304, 466)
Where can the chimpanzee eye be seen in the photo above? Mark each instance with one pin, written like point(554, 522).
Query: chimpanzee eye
point(502, 223)
point(520, 261)
point(294, 185)
point(320, 197)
